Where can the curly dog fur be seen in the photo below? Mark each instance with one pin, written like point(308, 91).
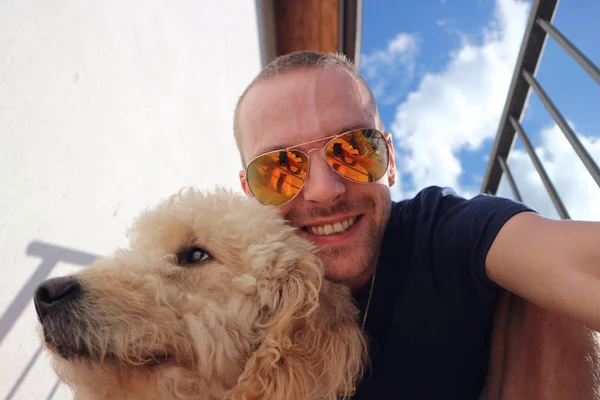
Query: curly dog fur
point(215, 298)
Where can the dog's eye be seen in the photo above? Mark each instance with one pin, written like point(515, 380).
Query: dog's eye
point(192, 255)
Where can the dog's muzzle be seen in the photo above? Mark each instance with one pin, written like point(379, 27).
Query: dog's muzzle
point(70, 333)
point(55, 295)
point(57, 304)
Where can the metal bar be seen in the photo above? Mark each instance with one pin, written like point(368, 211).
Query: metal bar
point(558, 204)
point(24, 374)
point(581, 151)
point(510, 178)
point(53, 391)
point(570, 48)
point(532, 47)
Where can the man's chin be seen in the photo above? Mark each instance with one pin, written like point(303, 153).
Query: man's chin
point(347, 270)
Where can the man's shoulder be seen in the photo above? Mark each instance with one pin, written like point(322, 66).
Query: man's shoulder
point(416, 217)
point(426, 200)
point(432, 194)
point(441, 211)
point(444, 199)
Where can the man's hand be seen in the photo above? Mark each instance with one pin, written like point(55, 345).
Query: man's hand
point(553, 264)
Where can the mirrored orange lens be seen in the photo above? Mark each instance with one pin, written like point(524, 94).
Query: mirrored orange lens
point(277, 177)
point(361, 155)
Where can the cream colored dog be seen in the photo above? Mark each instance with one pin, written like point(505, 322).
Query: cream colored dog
point(217, 298)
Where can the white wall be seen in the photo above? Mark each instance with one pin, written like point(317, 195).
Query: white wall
point(106, 106)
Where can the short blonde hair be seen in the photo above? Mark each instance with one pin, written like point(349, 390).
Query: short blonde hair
point(295, 61)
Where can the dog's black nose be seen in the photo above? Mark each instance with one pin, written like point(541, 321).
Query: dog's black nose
point(53, 293)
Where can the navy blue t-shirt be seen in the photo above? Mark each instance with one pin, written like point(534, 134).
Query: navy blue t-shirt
point(432, 307)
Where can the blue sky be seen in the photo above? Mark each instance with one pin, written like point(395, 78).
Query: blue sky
point(441, 70)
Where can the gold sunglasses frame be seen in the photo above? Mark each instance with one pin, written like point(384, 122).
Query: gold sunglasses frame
point(328, 139)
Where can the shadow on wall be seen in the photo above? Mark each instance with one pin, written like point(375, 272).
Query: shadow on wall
point(50, 256)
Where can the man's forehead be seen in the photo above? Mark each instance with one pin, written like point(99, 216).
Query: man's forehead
point(300, 106)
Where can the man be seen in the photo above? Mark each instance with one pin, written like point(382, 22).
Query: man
point(427, 272)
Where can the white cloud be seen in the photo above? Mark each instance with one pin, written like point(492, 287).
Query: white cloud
point(391, 69)
point(459, 107)
point(578, 191)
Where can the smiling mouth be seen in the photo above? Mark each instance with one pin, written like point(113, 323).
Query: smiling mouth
point(329, 229)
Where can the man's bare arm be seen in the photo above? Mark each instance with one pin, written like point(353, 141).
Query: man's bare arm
point(537, 355)
point(553, 264)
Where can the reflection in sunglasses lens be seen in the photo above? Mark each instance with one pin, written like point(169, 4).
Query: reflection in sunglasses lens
point(276, 178)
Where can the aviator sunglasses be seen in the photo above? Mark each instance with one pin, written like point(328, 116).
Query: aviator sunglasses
point(275, 178)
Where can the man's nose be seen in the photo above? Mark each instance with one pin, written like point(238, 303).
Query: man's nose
point(324, 185)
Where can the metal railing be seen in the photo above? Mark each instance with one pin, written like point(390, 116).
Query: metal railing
point(539, 28)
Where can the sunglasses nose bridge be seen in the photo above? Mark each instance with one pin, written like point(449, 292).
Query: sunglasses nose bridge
point(321, 151)
point(314, 149)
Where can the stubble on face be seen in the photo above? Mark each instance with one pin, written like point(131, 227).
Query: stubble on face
point(352, 262)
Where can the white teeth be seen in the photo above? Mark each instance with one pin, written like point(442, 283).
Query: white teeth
point(338, 227)
point(328, 229)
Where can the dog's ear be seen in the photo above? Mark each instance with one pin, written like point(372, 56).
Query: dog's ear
point(313, 349)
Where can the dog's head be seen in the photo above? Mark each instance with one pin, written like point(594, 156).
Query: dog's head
point(217, 297)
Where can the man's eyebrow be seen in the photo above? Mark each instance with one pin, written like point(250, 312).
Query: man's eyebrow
point(346, 128)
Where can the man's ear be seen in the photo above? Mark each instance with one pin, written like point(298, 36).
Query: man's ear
point(392, 172)
point(244, 183)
